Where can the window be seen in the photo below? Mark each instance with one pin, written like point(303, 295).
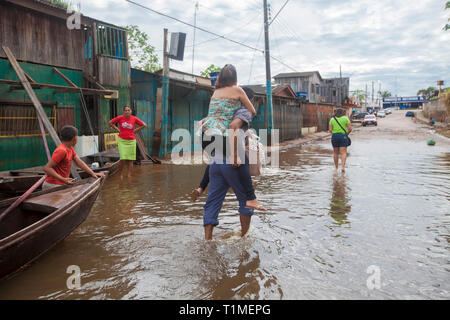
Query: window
point(112, 42)
point(21, 121)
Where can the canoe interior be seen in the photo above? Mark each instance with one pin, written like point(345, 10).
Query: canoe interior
point(38, 207)
point(16, 182)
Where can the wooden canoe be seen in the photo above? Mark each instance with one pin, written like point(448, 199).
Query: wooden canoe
point(15, 182)
point(42, 221)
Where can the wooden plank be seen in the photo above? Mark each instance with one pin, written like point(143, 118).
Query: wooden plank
point(141, 146)
point(92, 80)
point(36, 102)
point(53, 86)
point(65, 78)
point(52, 201)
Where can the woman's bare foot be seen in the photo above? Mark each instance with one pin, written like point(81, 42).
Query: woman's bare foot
point(196, 193)
point(254, 204)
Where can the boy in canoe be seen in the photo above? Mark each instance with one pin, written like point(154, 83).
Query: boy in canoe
point(58, 168)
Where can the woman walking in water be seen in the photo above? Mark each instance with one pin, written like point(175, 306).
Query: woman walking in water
point(226, 100)
point(340, 127)
point(127, 139)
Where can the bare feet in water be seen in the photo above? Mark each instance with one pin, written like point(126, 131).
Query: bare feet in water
point(254, 204)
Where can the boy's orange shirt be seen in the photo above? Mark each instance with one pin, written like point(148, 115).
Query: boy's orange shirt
point(63, 157)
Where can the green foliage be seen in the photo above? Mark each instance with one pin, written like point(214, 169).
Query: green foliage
point(386, 94)
point(359, 94)
point(142, 53)
point(66, 4)
point(61, 3)
point(211, 68)
point(427, 93)
point(447, 26)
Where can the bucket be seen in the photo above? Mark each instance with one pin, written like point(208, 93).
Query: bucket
point(213, 76)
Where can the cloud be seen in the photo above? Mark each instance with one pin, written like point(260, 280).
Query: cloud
point(398, 44)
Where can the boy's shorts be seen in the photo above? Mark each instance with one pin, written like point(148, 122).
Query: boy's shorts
point(245, 115)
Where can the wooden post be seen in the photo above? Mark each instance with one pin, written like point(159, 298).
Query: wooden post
point(40, 111)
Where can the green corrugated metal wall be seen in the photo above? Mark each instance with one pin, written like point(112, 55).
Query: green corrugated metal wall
point(22, 152)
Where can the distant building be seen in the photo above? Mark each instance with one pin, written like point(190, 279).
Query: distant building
point(403, 102)
point(312, 87)
point(305, 84)
point(335, 91)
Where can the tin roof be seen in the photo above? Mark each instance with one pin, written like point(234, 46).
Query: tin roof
point(297, 74)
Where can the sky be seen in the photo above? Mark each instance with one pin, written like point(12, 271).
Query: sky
point(395, 45)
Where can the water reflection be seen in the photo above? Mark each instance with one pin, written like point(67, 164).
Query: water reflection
point(339, 203)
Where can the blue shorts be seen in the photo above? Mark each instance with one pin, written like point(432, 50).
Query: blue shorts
point(221, 178)
point(339, 140)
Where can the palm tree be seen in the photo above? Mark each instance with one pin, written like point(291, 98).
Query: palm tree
point(359, 95)
point(386, 94)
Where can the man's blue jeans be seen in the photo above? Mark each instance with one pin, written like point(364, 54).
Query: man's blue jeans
point(221, 178)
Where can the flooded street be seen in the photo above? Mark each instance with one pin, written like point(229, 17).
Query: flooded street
point(323, 233)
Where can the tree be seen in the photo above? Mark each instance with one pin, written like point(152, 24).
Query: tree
point(427, 93)
point(386, 94)
point(447, 26)
point(142, 53)
point(211, 68)
point(359, 95)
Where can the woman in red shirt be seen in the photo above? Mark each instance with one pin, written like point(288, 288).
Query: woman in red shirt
point(127, 140)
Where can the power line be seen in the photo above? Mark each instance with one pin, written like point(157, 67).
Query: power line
point(207, 31)
point(253, 57)
point(191, 25)
point(278, 12)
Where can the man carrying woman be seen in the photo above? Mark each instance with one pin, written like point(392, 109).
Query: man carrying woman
point(127, 139)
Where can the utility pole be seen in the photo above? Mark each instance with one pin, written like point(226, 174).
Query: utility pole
point(379, 94)
point(366, 96)
point(269, 119)
point(193, 41)
point(340, 85)
point(165, 97)
point(372, 94)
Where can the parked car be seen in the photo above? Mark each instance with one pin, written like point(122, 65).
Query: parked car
point(360, 115)
point(409, 114)
point(381, 114)
point(369, 119)
point(388, 111)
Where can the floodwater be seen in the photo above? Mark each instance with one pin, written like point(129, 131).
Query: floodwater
point(326, 234)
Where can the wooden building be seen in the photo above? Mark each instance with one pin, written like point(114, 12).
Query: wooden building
point(60, 60)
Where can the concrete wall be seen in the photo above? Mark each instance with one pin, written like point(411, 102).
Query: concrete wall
point(317, 116)
point(437, 110)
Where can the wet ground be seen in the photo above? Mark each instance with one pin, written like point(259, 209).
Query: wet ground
point(322, 238)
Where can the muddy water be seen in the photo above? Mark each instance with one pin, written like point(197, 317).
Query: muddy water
point(322, 235)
